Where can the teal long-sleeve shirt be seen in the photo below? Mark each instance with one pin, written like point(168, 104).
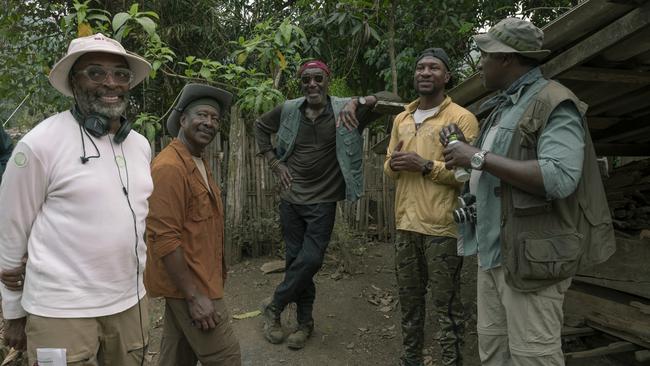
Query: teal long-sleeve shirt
point(560, 152)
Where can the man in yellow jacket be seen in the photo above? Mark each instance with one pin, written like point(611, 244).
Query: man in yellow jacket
point(425, 197)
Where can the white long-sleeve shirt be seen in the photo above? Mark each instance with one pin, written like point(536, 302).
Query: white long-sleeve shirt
point(75, 221)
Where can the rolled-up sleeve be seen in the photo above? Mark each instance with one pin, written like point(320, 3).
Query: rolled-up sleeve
point(167, 208)
point(560, 151)
point(23, 192)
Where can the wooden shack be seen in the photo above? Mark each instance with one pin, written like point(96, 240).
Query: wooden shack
point(601, 51)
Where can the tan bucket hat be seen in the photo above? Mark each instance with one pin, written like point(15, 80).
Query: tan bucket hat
point(513, 35)
point(95, 43)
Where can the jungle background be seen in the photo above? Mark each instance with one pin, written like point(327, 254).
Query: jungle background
point(253, 49)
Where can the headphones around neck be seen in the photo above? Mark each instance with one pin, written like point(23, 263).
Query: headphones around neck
point(98, 125)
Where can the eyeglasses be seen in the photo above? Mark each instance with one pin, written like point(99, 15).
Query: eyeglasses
point(99, 74)
point(307, 79)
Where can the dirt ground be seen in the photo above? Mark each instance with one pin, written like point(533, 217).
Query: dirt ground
point(356, 316)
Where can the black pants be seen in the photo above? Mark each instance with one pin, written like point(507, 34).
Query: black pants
point(307, 230)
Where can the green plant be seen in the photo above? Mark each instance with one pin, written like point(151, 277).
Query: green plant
point(148, 125)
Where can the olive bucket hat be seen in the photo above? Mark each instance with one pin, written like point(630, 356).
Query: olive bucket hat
point(513, 35)
point(191, 93)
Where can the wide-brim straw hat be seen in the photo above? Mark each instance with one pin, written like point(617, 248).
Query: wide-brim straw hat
point(512, 35)
point(190, 93)
point(95, 43)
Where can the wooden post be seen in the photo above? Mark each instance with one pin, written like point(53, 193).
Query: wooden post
point(236, 190)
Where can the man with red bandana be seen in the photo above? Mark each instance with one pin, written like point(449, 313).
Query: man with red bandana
point(317, 164)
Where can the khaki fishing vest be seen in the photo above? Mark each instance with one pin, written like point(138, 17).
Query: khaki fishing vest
point(545, 241)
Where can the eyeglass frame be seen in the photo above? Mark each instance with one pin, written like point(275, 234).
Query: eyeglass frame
point(108, 70)
point(312, 77)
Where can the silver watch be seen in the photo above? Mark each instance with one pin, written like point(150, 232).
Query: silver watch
point(362, 100)
point(478, 160)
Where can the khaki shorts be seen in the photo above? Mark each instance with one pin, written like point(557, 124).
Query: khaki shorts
point(107, 340)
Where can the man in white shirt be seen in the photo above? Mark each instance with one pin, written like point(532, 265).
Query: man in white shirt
point(74, 197)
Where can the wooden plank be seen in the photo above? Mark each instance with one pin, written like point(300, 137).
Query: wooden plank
point(598, 74)
point(575, 24)
point(626, 104)
point(581, 20)
point(577, 332)
point(608, 312)
point(606, 37)
point(601, 123)
point(604, 149)
point(626, 270)
point(610, 349)
point(631, 47)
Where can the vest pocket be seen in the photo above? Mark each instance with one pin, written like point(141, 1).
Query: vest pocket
point(552, 257)
point(525, 204)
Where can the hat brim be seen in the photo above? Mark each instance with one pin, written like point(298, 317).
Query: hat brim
point(59, 73)
point(488, 44)
point(192, 92)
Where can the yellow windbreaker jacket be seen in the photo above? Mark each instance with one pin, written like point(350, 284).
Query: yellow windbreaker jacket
point(424, 204)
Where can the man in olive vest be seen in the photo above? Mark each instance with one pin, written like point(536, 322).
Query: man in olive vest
point(540, 213)
point(317, 165)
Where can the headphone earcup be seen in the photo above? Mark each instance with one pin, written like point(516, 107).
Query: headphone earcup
point(123, 131)
point(96, 125)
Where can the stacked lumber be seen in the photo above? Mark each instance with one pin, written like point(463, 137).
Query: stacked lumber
point(628, 195)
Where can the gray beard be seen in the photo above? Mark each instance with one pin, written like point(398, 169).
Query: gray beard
point(92, 105)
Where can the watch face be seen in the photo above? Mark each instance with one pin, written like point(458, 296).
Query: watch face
point(476, 161)
point(362, 100)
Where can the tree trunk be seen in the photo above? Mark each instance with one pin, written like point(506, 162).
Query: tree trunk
point(391, 44)
point(235, 197)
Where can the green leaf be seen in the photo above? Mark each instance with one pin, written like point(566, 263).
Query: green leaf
point(156, 64)
point(101, 17)
point(205, 73)
point(285, 29)
point(150, 132)
point(374, 33)
point(119, 19)
point(134, 9)
point(148, 24)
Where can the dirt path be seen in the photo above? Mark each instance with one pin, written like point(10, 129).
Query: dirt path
point(357, 316)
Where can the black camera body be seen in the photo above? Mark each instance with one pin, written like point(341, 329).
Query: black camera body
point(467, 210)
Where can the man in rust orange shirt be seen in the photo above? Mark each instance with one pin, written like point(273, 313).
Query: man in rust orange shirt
point(185, 246)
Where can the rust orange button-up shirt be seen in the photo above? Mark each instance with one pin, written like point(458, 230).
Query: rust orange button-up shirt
point(184, 213)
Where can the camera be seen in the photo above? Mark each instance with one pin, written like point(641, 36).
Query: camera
point(467, 210)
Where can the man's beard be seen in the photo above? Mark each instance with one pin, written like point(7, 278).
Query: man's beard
point(91, 104)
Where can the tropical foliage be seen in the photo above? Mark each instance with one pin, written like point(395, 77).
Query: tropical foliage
point(252, 48)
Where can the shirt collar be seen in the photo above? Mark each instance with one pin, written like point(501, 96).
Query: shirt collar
point(413, 106)
point(516, 89)
point(183, 152)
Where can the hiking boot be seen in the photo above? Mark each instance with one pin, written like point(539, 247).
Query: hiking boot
point(297, 339)
point(272, 326)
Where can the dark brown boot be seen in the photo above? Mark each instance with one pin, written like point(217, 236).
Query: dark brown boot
point(297, 339)
point(272, 326)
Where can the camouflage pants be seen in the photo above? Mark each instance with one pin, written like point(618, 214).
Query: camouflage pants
point(432, 261)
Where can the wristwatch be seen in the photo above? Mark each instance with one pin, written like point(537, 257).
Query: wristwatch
point(478, 160)
point(362, 100)
point(428, 167)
